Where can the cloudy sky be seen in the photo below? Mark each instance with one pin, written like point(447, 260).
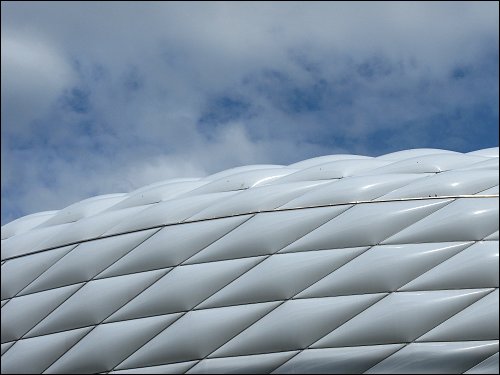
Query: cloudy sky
point(104, 97)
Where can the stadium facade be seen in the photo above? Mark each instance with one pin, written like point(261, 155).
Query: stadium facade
point(337, 264)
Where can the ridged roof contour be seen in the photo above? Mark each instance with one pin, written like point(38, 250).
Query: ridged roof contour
point(339, 263)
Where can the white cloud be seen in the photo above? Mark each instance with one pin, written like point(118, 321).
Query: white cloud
point(33, 75)
point(105, 97)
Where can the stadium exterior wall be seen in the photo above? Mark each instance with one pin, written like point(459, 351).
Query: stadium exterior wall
point(337, 264)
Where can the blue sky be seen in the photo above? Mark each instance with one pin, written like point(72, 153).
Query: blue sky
point(105, 97)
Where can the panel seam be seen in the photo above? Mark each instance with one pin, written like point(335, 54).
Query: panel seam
point(468, 196)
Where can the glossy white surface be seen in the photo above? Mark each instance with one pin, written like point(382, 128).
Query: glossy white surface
point(25, 223)
point(355, 360)
point(408, 173)
point(262, 198)
point(93, 302)
point(266, 233)
point(37, 353)
point(479, 321)
point(401, 317)
point(429, 164)
point(281, 277)
point(249, 364)
point(350, 189)
point(416, 152)
point(376, 222)
point(310, 318)
point(335, 169)
point(436, 358)
point(17, 320)
point(172, 245)
point(388, 267)
point(488, 366)
point(181, 290)
point(190, 337)
point(108, 344)
point(20, 272)
point(336, 264)
point(174, 368)
point(86, 261)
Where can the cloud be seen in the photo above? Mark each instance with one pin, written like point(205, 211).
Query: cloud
point(33, 75)
point(106, 97)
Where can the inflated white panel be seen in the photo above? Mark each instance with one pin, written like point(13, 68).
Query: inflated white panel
point(452, 223)
point(479, 321)
point(355, 360)
point(28, 242)
point(157, 192)
point(488, 366)
point(487, 152)
point(447, 183)
point(257, 199)
point(492, 237)
point(89, 227)
point(491, 191)
point(325, 159)
point(436, 358)
point(25, 223)
point(242, 169)
point(64, 234)
point(281, 277)
point(184, 287)
point(196, 334)
point(7, 346)
point(17, 273)
point(109, 344)
point(21, 314)
point(489, 164)
point(249, 364)
point(169, 212)
point(86, 260)
point(374, 221)
point(352, 189)
point(85, 208)
point(416, 152)
point(266, 233)
point(388, 267)
point(172, 245)
point(401, 317)
point(296, 324)
point(38, 353)
point(242, 180)
point(174, 368)
point(94, 302)
point(428, 164)
point(334, 169)
point(336, 264)
point(475, 267)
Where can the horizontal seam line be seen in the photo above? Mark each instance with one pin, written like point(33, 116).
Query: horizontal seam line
point(294, 350)
point(252, 303)
point(473, 242)
point(253, 213)
point(183, 264)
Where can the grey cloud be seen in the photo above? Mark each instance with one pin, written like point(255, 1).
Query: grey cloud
point(105, 97)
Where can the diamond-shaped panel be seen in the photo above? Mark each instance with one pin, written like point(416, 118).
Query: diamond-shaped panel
point(337, 264)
